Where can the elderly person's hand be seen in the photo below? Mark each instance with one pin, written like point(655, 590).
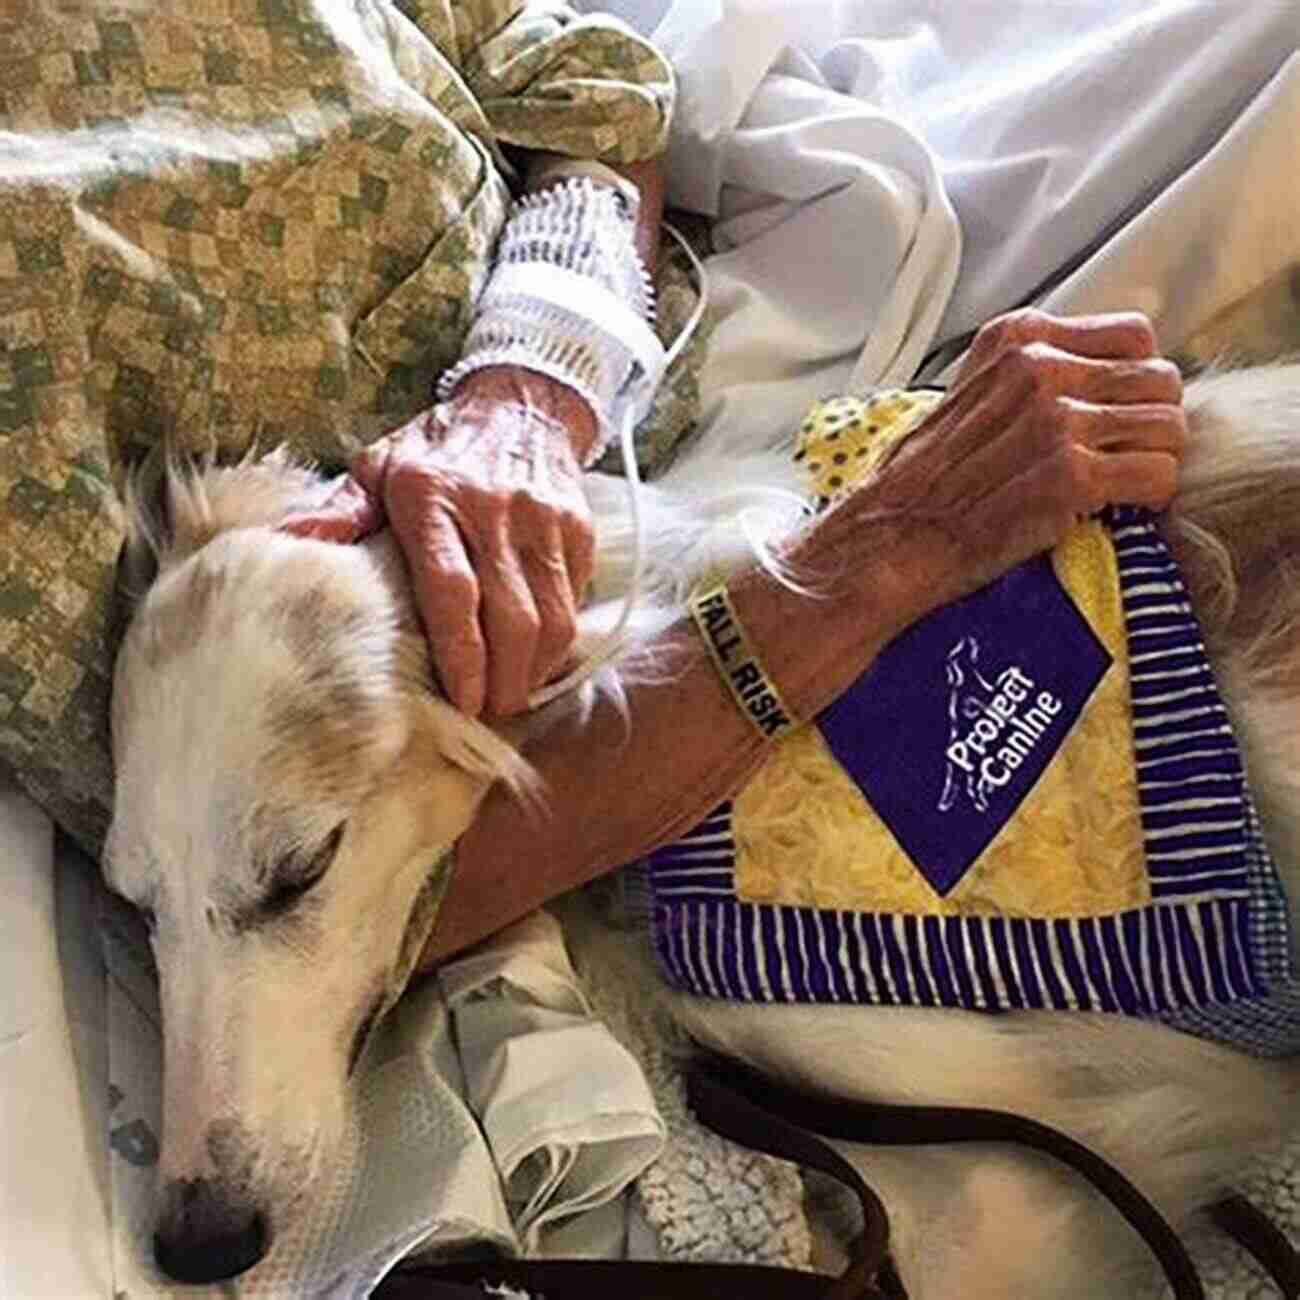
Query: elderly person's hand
point(1050, 419)
point(484, 492)
point(483, 495)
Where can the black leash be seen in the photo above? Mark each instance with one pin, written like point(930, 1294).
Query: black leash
point(880, 1124)
point(749, 1108)
point(1256, 1233)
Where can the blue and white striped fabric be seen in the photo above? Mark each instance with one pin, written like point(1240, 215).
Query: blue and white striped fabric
point(1189, 771)
point(1210, 953)
point(1268, 1025)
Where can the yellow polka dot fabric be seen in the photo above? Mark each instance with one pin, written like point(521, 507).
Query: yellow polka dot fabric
point(845, 440)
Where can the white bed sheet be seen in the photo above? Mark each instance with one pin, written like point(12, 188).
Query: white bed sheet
point(815, 129)
point(54, 1240)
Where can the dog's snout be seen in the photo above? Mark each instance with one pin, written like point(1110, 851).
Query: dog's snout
point(206, 1236)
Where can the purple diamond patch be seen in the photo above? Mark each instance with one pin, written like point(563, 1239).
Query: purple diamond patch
point(954, 723)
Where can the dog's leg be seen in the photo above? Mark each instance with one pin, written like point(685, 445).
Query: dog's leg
point(1178, 1109)
point(1179, 1116)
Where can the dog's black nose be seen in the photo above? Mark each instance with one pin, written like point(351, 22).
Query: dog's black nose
point(204, 1236)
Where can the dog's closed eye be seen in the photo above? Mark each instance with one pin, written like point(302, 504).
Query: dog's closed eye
point(296, 874)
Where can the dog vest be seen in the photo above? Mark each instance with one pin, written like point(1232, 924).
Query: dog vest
point(1033, 798)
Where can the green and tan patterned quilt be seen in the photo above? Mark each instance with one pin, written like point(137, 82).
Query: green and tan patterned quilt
point(240, 222)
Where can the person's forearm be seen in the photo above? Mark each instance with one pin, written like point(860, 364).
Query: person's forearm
point(616, 789)
point(651, 179)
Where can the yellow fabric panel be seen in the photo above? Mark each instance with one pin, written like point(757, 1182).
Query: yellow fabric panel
point(1075, 846)
point(807, 836)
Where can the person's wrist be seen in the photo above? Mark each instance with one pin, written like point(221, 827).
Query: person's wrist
point(531, 390)
point(864, 576)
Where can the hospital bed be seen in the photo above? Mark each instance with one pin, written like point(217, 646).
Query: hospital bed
point(946, 163)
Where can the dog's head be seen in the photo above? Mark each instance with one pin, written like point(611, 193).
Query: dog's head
point(288, 783)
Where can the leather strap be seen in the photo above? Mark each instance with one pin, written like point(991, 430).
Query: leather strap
point(1256, 1233)
point(754, 1110)
point(878, 1124)
point(566, 1279)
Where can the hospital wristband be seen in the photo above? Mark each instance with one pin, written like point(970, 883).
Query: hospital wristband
point(738, 663)
point(569, 297)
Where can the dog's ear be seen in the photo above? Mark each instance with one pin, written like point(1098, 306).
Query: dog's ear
point(146, 528)
point(176, 505)
point(474, 748)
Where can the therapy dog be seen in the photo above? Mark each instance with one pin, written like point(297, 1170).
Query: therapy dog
point(286, 774)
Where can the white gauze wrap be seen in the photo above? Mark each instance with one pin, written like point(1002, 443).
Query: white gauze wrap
point(570, 297)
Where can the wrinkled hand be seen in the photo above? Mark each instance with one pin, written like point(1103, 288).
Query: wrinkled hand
point(483, 495)
point(1050, 419)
